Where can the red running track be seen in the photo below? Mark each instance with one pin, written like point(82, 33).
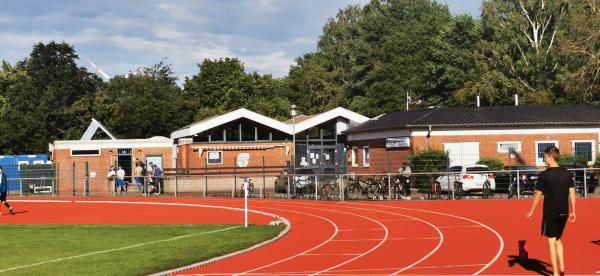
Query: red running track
point(384, 238)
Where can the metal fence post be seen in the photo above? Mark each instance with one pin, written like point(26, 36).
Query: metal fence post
point(389, 186)
point(262, 187)
point(74, 184)
point(453, 186)
point(176, 185)
point(289, 182)
point(518, 185)
point(86, 188)
point(205, 193)
point(316, 187)
point(584, 182)
point(341, 187)
point(234, 179)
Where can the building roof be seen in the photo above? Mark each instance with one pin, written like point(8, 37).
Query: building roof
point(93, 128)
point(306, 122)
point(299, 118)
point(486, 117)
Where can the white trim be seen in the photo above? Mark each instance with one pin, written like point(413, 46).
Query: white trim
point(585, 141)
point(77, 155)
point(330, 115)
point(113, 144)
point(354, 157)
point(229, 117)
point(208, 154)
point(518, 149)
point(537, 152)
point(366, 151)
point(93, 128)
point(528, 131)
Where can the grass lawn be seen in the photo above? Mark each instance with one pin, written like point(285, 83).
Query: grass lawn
point(119, 249)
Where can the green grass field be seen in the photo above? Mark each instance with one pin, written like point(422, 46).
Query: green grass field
point(119, 249)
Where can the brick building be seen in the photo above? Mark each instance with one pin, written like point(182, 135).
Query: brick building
point(469, 134)
point(81, 165)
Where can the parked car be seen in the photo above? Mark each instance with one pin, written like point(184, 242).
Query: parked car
point(467, 180)
point(578, 176)
point(508, 182)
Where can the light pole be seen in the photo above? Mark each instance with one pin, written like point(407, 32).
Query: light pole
point(294, 137)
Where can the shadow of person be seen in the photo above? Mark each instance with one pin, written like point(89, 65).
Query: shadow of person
point(18, 212)
point(537, 266)
point(596, 242)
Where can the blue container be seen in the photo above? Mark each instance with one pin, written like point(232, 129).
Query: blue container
point(11, 167)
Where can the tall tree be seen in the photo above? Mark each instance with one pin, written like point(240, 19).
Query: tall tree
point(47, 96)
point(145, 104)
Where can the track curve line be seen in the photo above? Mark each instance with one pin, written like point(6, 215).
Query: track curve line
point(500, 240)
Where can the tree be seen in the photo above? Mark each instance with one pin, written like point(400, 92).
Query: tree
point(148, 103)
point(223, 85)
point(48, 98)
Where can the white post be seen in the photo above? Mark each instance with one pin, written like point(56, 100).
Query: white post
point(584, 182)
point(518, 185)
point(246, 202)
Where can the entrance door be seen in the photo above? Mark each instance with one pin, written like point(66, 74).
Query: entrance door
point(124, 160)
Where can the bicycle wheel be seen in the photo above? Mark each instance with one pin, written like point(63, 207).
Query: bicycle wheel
point(329, 191)
point(372, 191)
point(353, 190)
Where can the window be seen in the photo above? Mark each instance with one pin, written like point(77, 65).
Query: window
point(354, 156)
point(263, 133)
point(232, 133)
point(93, 152)
point(540, 147)
point(248, 132)
point(214, 157)
point(584, 149)
point(216, 134)
point(366, 157)
point(506, 147)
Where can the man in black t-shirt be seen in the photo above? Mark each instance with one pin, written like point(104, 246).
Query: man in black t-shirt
point(556, 184)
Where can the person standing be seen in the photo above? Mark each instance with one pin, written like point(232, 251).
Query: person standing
point(405, 172)
point(556, 184)
point(4, 191)
point(121, 180)
point(158, 178)
point(139, 177)
point(110, 178)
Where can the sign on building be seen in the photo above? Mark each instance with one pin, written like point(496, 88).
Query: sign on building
point(243, 159)
point(397, 142)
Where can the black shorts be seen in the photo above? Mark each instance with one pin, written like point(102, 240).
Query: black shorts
point(3, 196)
point(553, 226)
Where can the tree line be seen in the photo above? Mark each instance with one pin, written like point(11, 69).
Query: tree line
point(368, 59)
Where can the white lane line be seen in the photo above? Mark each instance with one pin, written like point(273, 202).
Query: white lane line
point(354, 230)
point(330, 254)
point(461, 226)
point(433, 251)
point(389, 239)
point(335, 232)
point(116, 249)
point(500, 247)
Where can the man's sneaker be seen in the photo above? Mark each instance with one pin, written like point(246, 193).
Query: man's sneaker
point(11, 211)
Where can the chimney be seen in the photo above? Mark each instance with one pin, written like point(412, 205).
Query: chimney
point(478, 101)
point(516, 99)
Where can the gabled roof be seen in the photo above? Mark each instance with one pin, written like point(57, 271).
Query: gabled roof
point(330, 115)
point(285, 127)
point(486, 117)
point(216, 121)
point(92, 128)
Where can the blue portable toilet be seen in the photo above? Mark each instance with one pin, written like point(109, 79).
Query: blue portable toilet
point(11, 165)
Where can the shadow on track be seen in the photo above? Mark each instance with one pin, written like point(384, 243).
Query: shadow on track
point(537, 266)
point(596, 242)
point(15, 213)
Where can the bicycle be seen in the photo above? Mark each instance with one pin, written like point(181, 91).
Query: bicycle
point(250, 188)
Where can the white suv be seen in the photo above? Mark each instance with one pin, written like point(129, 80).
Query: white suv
point(472, 178)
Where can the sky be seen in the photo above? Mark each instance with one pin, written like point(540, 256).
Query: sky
point(120, 36)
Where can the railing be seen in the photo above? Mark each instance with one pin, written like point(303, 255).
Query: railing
point(339, 187)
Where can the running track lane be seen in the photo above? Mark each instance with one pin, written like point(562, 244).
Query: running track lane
point(504, 216)
point(416, 242)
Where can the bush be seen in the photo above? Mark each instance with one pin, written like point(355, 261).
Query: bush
point(429, 161)
point(573, 159)
point(493, 163)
